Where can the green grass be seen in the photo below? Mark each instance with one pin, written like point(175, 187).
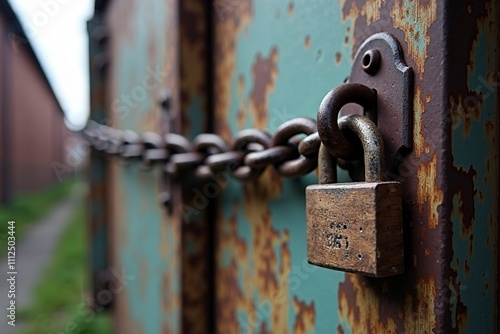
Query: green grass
point(60, 301)
point(27, 209)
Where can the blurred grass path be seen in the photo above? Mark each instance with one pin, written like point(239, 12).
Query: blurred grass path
point(33, 252)
point(29, 208)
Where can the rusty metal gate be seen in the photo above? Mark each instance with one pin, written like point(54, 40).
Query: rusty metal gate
point(173, 255)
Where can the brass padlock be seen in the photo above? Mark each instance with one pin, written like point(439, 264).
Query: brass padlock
point(356, 227)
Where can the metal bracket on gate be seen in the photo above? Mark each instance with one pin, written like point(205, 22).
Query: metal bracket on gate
point(379, 64)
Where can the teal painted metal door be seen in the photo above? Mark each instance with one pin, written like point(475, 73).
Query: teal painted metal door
point(275, 61)
point(238, 263)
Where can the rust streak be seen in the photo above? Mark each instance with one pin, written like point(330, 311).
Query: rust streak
point(458, 306)
point(269, 281)
point(418, 111)
point(307, 42)
point(419, 308)
point(352, 12)
point(359, 307)
point(264, 72)
point(232, 21)
point(291, 8)
point(427, 251)
point(230, 294)
point(338, 58)
point(428, 191)
point(305, 316)
point(414, 18)
point(193, 54)
point(242, 111)
point(464, 110)
point(371, 9)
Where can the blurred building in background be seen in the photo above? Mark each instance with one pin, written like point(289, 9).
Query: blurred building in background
point(33, 135)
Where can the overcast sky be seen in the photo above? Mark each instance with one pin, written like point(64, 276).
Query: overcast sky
point(57, 30)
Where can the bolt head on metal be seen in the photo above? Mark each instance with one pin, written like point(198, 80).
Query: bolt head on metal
point(371, 61)
point(165, 99)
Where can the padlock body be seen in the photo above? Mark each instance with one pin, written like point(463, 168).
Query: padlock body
point(356, 227)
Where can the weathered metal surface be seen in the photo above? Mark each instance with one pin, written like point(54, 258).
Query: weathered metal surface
point(146, 241)
point(430, 296)
point(272, 60)
point(194, 211)
point(97, 173)
point(472, 163)
point(157, 49)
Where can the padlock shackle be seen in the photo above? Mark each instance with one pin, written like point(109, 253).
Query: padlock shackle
point(327, 166)
point(373, 145)
point(333, 139)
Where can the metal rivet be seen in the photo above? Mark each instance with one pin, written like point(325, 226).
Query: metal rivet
point(165, 99)
point(165, 198)
point(371, 61)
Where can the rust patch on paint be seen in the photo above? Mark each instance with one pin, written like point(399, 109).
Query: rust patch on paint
point(414, 18)
point(264, 72)
point(420, 145)
point(428, 191)
point(227, 30)
point(307, 42)
point(359, 307)
point(229, 292)
point(265, 258)
point(350, 10)
point(305, 315)
point(194, 277)
point(463, 187)
point(362, 14)
point(263, 288)
point(464, 110)
point(419, 308)
point(193, 52)
point(371, 9)
point(291, 8)
point(427, 251)
point(338, 58)
point(268, 280)
point(457, 306)
point(242, 107)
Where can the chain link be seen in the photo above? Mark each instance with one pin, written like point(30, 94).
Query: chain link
point(292, 150)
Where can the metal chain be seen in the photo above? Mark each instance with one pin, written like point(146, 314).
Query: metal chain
point(252, 150)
